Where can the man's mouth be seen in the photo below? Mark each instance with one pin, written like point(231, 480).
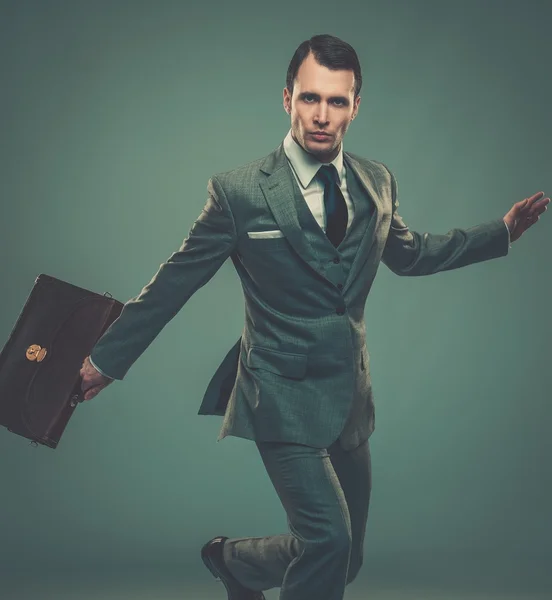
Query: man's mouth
point(320, 135)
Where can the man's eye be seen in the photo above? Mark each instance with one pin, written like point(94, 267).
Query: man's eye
point(338, 102)
point(307, 98)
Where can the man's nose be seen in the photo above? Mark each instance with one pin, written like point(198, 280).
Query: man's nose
point(321, 115)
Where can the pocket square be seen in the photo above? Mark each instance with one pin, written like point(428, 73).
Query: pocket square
point(275, 233)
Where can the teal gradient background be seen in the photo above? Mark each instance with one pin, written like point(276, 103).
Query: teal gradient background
point(114, 116)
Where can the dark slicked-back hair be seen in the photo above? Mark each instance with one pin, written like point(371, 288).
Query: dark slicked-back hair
point(329, 51)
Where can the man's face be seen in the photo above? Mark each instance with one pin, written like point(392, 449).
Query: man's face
point(323, 100)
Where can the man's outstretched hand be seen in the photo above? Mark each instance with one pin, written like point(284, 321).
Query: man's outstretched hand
point(524, 214)
point(93, 382)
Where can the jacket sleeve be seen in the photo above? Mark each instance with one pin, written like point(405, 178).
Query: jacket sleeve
point(408, 252)
point(210, 241)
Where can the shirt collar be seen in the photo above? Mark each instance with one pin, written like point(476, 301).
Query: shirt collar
point(305, 164)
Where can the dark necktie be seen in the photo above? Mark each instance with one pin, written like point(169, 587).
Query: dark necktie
point(336, 207)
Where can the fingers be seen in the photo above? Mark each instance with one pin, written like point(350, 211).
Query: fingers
point(531, 208)
point(93, 381)
point(93, 391)
point(527, 202)
point(536, 209)
point(533, 201)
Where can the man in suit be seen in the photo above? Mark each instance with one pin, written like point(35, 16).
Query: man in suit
point(306, 228)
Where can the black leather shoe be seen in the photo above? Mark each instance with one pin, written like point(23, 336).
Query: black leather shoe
point(211, 554)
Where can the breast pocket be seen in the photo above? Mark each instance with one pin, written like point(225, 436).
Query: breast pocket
point(265, 235)
point(264, 243)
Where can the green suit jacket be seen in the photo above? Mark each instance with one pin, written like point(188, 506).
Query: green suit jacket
point(302, 360)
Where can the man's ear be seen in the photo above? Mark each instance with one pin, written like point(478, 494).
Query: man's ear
point(355, 108)
point(287, 101)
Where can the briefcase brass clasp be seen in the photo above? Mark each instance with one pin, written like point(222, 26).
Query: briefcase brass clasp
point(36, 352)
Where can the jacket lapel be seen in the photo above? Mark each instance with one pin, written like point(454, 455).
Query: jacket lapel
point(367, 177)
point(278, 192)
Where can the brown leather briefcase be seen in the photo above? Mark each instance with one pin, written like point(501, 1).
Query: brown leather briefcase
point(40, 382)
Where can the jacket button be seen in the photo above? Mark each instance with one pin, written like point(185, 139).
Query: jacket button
point(337, 260)
point(340, 310)
point(339, 286)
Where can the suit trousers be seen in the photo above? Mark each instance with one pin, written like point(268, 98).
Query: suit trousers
point(326, 495)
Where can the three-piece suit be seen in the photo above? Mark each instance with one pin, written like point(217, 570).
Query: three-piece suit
point(297, 381)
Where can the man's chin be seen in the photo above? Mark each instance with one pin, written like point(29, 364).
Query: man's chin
point(319, 151)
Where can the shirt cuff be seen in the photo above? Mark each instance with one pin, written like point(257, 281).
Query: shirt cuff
point(509, 238)
point(98, 369)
